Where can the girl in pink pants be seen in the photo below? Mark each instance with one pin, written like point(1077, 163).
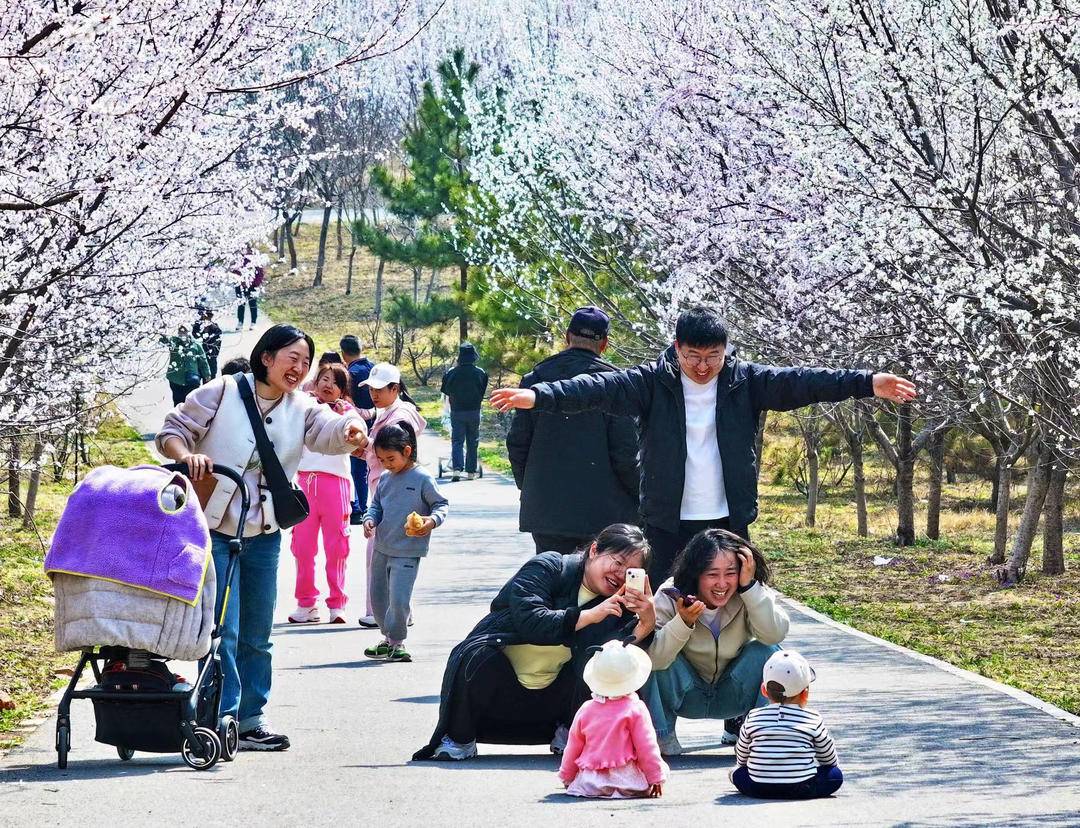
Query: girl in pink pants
point(327, 481)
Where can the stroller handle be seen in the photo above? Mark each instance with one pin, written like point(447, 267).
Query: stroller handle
point(224, 471)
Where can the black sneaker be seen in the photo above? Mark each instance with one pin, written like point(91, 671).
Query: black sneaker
point(262, 738)
point(731, 730)
point(356, 518)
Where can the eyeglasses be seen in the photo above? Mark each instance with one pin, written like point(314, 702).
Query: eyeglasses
point(711, 361)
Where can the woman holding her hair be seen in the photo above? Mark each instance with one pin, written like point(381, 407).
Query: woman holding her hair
point(212, 427)
point(517, 678)
point(716, 626)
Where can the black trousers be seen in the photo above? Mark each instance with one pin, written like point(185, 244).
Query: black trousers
point(180, 392)
point(667, 545)
point(490, 705)
point(562, 544)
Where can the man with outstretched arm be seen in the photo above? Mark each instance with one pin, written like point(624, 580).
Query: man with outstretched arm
point(698, 412)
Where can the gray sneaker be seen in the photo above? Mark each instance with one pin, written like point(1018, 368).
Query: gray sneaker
point(669, 745)
point(450, 751)
point(559, 740)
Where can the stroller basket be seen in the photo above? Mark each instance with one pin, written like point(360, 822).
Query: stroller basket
point(184, 718)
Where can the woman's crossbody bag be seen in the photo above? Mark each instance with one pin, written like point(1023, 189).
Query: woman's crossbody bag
point(290, 503)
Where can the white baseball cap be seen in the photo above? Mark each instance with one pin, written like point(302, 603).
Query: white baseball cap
point(382, 374)
point(617, 670)
point(790, 670)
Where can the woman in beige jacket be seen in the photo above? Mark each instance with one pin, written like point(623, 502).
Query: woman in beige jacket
point(716, 626)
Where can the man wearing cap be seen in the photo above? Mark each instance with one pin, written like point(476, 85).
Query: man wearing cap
point(464, 385)
point(577, 474)
point(699, 407)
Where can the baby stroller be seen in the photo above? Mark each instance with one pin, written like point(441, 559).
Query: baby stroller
point(150, 709)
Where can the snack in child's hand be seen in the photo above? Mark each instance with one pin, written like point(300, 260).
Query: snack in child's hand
point(413, 524)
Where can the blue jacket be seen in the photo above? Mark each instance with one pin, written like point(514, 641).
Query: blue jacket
point(359, 370)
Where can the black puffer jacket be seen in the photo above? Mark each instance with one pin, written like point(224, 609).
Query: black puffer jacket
point(536, 606)
point(577, 474)
point(466, 382)
point(653, 393)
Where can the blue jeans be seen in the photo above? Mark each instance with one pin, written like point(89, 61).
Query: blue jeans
point(680, 691)
point(464, 434)
point(249, 618)
point(359, 471)
point(825, 782)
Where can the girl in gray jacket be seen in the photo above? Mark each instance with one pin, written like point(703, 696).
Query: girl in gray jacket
point(406, 507)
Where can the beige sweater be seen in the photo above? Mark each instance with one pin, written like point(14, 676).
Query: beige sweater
point(754, 614)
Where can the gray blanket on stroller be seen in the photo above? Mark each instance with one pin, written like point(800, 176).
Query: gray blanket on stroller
point(91, 612)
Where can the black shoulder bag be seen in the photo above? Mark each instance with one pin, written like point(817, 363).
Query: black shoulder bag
point(290, 503)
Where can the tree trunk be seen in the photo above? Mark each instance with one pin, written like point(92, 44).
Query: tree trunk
point(340, 243)
point(463, 320)
point(348, 279)
point(859, 482)
point(937, 467)
point(810, 437)
point(1038, 482)
point(995, 490)
point(379, 287)
point(292, 244)
point(905, 480)
point(759, 440)
point(279, 235)
point(32, 487)
point(1053, 562)
point(1001, 507)
point(320, 261)
point(950, 475)
point(299, 219)
point(417, 272)
point(431, 284)
point(14, 498)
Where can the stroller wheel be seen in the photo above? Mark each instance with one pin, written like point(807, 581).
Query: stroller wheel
point(211, 748)
point(125, 753)
point(229, 734)
point(63, 745)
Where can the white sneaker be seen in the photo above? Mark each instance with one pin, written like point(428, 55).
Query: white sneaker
point(239, 326)
point(368, 622)
point(729, 738)
point(251, 327)
point(337, 616)
point(450, 751)
point(669, 745)
point(304, 615)
point(470, 476)
point(559, 740)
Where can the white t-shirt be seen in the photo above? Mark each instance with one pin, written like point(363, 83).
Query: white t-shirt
point(703, 495)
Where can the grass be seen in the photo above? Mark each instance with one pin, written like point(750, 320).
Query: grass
point(939, 598)
point(28, 662)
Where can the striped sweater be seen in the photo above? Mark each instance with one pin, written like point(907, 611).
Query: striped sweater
point(783, 744)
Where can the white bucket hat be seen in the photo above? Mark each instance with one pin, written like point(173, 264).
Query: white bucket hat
point(382, 374)
point(790, 670)
point(617, 670)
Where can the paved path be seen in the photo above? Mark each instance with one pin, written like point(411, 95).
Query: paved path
point(919, 745)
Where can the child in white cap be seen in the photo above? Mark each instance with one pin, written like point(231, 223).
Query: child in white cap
point(784, 750)
point(612, 751)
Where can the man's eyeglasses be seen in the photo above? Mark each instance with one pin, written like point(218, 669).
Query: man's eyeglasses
point(711, 361)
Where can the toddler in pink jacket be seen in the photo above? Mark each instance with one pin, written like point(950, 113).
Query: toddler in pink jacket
point(612, 751)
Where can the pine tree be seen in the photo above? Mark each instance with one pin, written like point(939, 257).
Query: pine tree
point(435, 179)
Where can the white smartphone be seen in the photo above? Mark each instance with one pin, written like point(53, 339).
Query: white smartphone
point(635, 579)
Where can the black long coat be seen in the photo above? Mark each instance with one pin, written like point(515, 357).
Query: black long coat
point(536, 606)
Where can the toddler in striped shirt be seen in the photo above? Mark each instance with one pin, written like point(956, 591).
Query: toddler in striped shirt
point(784, 750)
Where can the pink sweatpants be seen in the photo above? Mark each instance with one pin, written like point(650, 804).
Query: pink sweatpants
point(329, 498)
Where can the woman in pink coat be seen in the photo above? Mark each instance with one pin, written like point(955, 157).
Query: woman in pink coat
point(392, 405)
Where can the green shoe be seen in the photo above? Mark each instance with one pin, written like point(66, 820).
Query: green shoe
point(398, 654)
point(381, 650)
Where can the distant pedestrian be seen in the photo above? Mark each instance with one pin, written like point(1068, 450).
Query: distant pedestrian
point(785, 750)
point(207, 331)
point(405, 507)
point(188, 368)
point(359, 368)
point(576, 474)
point(248, 291)
point(465, 385)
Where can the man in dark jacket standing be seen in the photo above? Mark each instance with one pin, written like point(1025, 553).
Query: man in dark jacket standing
point(699, 411)
point(465, 385)
point(207, 331)
point(359, 367)
point(576, 474)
